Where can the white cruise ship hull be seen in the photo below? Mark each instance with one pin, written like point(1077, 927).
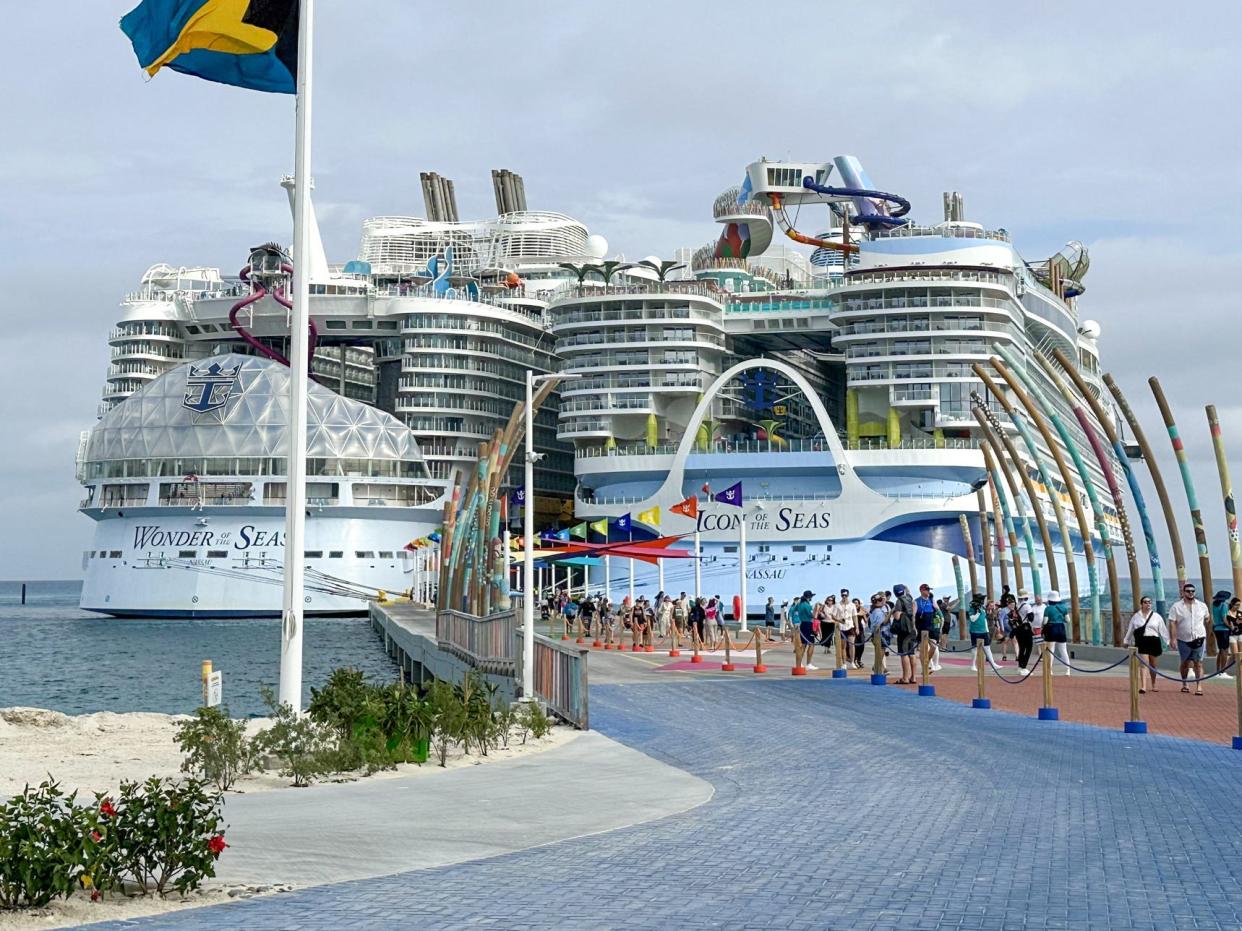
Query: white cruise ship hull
point(189, 564)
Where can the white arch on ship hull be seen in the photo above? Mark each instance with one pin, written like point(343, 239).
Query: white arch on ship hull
point(850, 482)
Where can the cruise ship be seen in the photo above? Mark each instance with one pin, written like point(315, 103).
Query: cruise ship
point(423, 340)
point(833, 383)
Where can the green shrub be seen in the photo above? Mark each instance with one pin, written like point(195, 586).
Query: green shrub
point(216, 748)
point(345, 700)
point(305, 748)
point(45, 841)
point(448, 717)
point(534, 721)
point(160, 834)
point(406, 719)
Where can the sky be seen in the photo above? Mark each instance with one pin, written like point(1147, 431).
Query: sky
point(1110, 123)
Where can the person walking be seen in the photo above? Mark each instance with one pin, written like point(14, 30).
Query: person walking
point(1004, 631)
point(802, 616)
point(681, 613)
point(977, 619)
point(1235, 628)
point(861, 633)
point(769, 618)
point(1148, 634)
point(847, 626)
point(710, 615)
point(1056, 628)
point(1023, 628)
point(587, 612)
point(877, 617)
point(1188, 626)
point(1220, 631)
point(697, 616)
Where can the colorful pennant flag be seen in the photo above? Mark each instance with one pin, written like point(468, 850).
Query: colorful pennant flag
point(246, 43)
point(601, 526)
point(650, 517)
point(731, 495)
point(517, 497)
point(562, 536)
point(622, 523)
point(579, 531)
point(688, 508)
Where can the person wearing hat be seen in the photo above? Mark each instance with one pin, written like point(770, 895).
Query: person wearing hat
point(979, 632)
point(1188, 626)
point(903, 624)
point(802, 616)
point(1056, 628)
point(1022, 626)
point(1220, 630)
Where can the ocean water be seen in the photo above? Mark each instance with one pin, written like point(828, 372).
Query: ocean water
point(53, 655)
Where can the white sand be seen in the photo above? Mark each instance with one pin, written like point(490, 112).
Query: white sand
point(95, 752)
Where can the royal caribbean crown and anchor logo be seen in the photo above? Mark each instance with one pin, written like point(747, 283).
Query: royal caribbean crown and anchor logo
point(207, 387)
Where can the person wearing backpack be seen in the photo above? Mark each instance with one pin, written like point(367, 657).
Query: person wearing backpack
point(904, 626)
point(926, 619)
point(977, 618)
point(1148, 633)
point(1021, 625)
point(1056, 628)
point(680, 613)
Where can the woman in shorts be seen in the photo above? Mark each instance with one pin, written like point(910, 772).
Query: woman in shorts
point(1148, 634)
point(1234, 617)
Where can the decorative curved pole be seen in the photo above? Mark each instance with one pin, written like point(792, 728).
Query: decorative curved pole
point(1226, 490)
point(1049, 411)
point(1002, 551)
point(1054, 497)
point(1136, 491)
point(1188, 482)
point(1119, 503)
point(986, 540)
point(1000, 439)
point(970, 554)
point(994, 479)
point(1162, 492)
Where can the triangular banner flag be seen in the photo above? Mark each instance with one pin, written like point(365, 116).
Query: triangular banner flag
point(650, 517)
point(579, 531)
point(688, 508)
point(731, 495)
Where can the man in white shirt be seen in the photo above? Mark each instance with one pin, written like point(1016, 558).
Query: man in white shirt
point(846, 616)
point(1188, 626)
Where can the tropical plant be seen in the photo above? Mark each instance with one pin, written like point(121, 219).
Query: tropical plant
point(305, 748)
point(44, 843)
point(345, 699)
point(580, 271)
point(607, 269)
point(534, 721)
point(407, 720)
point(448, 713)
point(216, 747)
point(161, 834)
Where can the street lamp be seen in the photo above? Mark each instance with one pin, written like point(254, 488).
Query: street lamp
point(528, 538)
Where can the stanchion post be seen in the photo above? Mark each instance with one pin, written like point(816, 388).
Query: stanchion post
point(694, 641)
point(675, 633)
point(839, 671)
point(798, 668)
point(926, 689)
point(580, 638)
point(1047, 712)
point(727, 665)
point(1237, 685)
point(759, 667)
point(879, 670)
point(1136, 725)
point(982, 701)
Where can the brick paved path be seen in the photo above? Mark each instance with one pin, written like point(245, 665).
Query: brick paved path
point(840, 805)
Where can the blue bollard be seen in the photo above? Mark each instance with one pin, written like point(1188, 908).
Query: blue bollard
point(1049, 714)
point(981, 703)
point(840, 673)
point(1140, 727)
point(927, 691)
point(880, 678)
point(1237, 743)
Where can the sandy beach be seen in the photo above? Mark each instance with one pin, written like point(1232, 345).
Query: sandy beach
point(95, 752)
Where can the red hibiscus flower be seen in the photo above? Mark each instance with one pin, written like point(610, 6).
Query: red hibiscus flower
point(107, 808)
point(96, 836)
point(96, 895)
point(216, 845)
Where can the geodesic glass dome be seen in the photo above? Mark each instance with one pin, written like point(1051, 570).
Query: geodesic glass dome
point(233, 410)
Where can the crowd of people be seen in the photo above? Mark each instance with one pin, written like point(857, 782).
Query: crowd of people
point(1009, 623)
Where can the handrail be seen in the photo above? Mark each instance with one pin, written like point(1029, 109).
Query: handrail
point(486, 643)
point(561, 679)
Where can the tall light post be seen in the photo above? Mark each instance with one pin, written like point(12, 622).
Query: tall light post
point(528, 539)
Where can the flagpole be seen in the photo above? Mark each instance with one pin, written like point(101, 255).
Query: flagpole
point(607, 575)
point(631, 524)
point(698, 555)
point(741, 562)
point(299, 365)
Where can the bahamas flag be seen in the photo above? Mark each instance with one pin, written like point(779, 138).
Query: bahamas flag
point(246, 43)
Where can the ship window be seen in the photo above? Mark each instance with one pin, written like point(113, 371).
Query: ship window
point(115, 554)
point(386, 324)
point(364, 554)
point(187, 554)
point(730, 549)
point(360, 324)
point(313, 554)
point(799, 547)
point(335, 324)
point(217, 554)
point(192, 329)
point(829, 547)
point(764, 548)
point(385, 554)
point(335, 554)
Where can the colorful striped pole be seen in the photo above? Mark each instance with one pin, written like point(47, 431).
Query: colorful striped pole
point(1054, 497)
point(969, 543)
point(1162, 492)
point(1002, 497)
point(1011, 463)
point(1048, 409)
point(1002, 551)
point(985, 534)
point(961, 597)
point(1188, 483)
point(1226, 490)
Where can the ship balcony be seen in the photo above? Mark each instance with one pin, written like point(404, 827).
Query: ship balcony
point(130, 332)
point(914, 397)
point(581, 427)
point(605, 339)
point(626, 403)
point(580, 318)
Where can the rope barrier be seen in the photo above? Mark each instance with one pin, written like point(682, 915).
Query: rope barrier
point(1188, 679)
point(1124, 659)
point(1020, 679)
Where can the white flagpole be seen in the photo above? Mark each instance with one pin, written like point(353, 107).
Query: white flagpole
point(608, 577)
point(295, 500)
point(741, 562)
point(698, 567)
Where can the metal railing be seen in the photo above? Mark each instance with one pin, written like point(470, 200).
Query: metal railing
point(561, 680)
point(487, 643)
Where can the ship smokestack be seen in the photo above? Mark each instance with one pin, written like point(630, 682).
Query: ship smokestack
point(954, 207)
point(439, 197)
point(510, 191)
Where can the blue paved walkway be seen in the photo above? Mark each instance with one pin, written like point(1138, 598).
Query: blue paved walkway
point(834, 809)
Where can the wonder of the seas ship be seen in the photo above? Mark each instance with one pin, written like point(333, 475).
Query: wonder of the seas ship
point(829, 388)
point(421, 346)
